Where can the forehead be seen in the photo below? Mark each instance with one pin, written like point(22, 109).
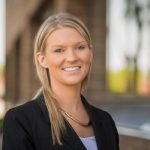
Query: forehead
point(65, 35)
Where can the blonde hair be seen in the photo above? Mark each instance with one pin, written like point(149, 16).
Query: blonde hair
point(50, 25)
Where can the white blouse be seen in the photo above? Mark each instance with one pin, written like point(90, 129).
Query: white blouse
point(89, 143)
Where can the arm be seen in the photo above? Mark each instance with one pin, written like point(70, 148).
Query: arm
point(15, 134)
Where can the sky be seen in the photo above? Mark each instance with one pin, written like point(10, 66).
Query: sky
point(2, 32)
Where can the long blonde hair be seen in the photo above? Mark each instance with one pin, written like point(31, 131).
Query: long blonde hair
point(51, 24)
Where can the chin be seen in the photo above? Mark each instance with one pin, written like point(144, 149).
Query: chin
point(73, 81)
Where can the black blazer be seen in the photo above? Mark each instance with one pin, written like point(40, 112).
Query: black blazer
point(27, 127)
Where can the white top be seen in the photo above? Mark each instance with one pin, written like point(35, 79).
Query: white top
point(89, 143)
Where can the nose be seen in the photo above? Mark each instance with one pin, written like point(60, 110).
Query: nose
point(71, 55)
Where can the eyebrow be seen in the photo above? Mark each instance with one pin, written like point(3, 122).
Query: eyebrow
point(53, 46)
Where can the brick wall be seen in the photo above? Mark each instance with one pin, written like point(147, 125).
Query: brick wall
point(18, 13)
point(93, 13)
point(21, 79)
point(19, 59)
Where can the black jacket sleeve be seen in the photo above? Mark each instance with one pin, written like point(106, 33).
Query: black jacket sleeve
point(15, 135)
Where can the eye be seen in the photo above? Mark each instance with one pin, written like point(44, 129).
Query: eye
point(81, 47)
point(59, 50)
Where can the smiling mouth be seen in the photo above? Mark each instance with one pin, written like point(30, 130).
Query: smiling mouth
point(72, 68)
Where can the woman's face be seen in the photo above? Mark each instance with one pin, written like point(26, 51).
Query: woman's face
point(67, 56)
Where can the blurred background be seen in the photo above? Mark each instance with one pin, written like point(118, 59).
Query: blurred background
point(120, 77)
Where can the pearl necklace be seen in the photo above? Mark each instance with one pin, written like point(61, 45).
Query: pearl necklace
point(76, 120)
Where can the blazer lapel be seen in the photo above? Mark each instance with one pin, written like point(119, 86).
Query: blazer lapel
point(97, 125)
point(98, 131)
point(70, 137)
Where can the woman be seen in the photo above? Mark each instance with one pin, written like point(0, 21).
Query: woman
point(60, 117)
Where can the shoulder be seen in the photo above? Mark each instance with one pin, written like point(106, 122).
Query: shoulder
point(108, 126)
point(104, 115)
point(97, 113)
point(23, 108)
point(20, 124)
point(24, 113)
point(103, 124)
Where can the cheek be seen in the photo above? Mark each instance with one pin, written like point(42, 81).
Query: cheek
point(54, 62)
point(87, 58)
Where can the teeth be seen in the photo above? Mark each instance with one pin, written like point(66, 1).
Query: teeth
point(71, 68)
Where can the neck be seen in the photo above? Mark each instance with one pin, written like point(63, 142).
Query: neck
point(69, 97)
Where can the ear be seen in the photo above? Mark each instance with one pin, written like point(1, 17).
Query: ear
point(42, 59)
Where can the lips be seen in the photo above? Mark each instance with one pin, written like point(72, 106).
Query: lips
point(74, 68)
